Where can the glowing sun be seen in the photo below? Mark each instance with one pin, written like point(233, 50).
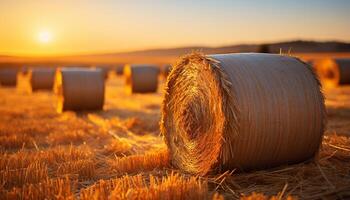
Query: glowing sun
point(44, 37)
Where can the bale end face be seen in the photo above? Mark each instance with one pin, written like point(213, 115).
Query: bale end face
point(245, 111)
point(192, 117)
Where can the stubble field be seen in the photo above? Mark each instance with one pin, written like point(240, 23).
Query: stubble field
point(118, 153)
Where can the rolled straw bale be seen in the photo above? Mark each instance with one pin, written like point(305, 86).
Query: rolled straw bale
point(166, 70)
point(8, 76)
point(24, 70)
point(42, 78)
point(333, 72)
point(141, 78)
point(119, 70)
point(79, 89)
point(105, 70)
point(245, 111)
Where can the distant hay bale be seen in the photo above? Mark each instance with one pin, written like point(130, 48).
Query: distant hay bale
point(245, 111)
point(166, 70)
point(24, 70)
point(119, 70)
point(141, 78)
point(333, 72)
point(8, 76)
point(79, 89)
point(105, 70)
point(41, 78)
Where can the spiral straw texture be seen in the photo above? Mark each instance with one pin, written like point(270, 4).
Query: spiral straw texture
point(8, 76)
point(245, 111)
point(42, 78)
point(141, 78)
point(79, 89)
point(333, 72)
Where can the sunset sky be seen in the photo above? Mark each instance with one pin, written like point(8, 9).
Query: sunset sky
point(34, 27)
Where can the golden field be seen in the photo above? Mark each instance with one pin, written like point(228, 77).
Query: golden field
point(118, 153)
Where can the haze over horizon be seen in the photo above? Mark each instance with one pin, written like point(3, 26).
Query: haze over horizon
point(42, 28)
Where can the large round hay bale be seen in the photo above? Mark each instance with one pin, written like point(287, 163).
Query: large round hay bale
point(41, 78)
point(245, 111)
point(8, 76)
point(333, 72)
point(141, 78)
point(79, 89)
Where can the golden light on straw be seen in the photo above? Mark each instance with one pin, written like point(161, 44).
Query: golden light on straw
point(215, 116)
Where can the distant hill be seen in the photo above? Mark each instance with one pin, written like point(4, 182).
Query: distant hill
point(298, 46)
point(162, 56)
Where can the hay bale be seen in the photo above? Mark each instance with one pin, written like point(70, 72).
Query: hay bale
point(41, 78)
point(105, 70)
point(8, 76)
point(119, 69)
point(166, 70)
point(245, 111)
point(24, 70)
point(333, 72)
point(79, 89)
point(141, 78)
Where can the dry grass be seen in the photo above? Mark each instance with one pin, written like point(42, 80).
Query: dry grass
point(13, 142)
point(34, 173)
point(52, 157)
point(327, 176)
point(173, 186)
point(139, 127)
point(140, 163)
point(83, 169)
point(18, 160)
point(68, 137)
point(118, 147)
point(47, 189)
point(259, 196)
point(62, 154)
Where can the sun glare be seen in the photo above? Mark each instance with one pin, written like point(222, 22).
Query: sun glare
point(44, 37)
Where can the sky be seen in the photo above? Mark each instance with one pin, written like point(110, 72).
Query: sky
point(66, 27)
